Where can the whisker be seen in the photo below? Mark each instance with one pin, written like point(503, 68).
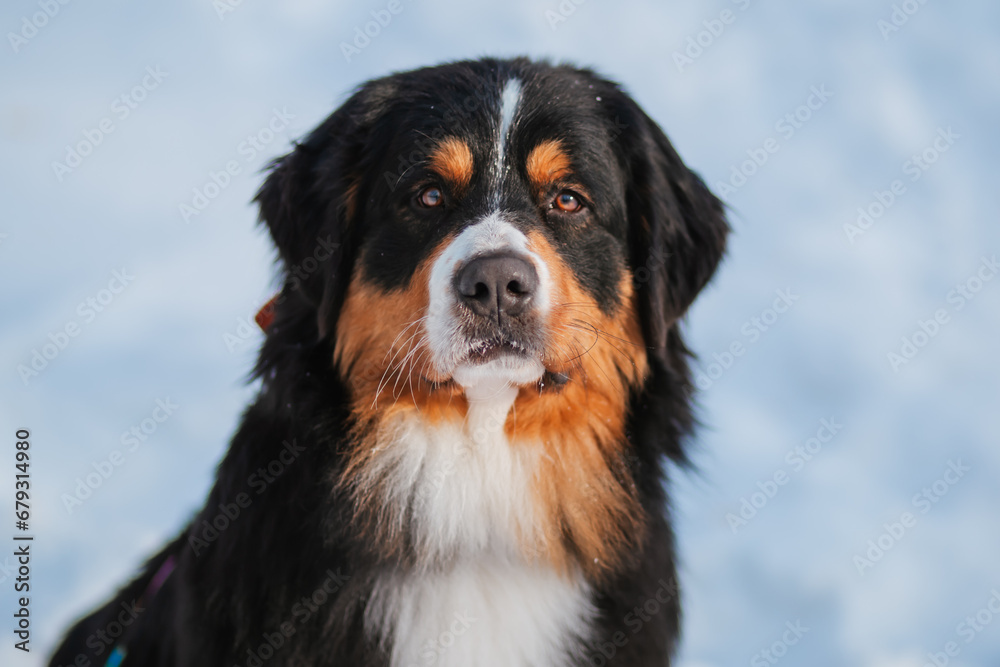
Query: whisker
point(591, 327)
point(392, 346)
point(387, 375)
point(404, 364)
point(401, 332)
point(561, 330)
point(574, 361)
point(607, 338)
point(421, 356)
point(577, 304)
point(620, 387)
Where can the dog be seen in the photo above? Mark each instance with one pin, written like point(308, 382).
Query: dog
point(470, 386)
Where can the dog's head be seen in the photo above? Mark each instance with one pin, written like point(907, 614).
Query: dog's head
point(495, 228)
point(490, 221)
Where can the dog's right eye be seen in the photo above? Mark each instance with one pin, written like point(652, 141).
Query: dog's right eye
point(430, 197)
point(567, 201)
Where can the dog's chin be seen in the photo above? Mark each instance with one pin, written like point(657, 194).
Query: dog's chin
point(510, 370)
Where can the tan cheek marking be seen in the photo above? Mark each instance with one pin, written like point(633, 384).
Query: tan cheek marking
point(546, 163)
point(381, 350)
point(584, 492)
point(452, 159)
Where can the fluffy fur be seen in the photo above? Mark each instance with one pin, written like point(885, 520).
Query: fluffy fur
point(433, 473)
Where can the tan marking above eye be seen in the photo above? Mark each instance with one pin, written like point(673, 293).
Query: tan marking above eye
point(546, 163)
point(452, 160)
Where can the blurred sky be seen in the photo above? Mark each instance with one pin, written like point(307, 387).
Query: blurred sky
point(208, 78)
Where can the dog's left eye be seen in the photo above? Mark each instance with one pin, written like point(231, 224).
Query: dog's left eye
point(430, 197)
point(568, 201)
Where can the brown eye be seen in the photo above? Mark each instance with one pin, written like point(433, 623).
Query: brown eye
point(430, 197)
point(568, 202)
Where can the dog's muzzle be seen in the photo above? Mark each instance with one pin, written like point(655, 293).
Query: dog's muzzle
point(488, 305)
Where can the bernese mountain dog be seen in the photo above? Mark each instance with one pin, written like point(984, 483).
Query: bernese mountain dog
point(471, 383)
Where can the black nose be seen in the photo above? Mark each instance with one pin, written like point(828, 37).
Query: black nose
point(497, 285)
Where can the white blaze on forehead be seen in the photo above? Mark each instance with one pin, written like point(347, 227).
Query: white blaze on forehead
point(448, 344)
point(510, 97)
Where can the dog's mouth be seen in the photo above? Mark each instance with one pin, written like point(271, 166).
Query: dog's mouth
point(484, 351)
point(508, 360)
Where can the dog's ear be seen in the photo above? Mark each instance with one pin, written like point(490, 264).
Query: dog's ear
point(308, 203)
point(677, 229)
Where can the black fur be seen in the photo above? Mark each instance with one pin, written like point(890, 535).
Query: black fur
point(233, 589)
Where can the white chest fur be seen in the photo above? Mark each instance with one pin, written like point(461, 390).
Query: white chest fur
point(480, 614)
point(475, 598)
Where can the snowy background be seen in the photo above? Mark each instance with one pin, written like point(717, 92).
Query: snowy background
point(178, 330)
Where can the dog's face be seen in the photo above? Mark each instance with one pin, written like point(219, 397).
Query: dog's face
point(505, 231)
point(495, 243)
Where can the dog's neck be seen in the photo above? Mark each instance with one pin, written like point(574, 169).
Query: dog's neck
point(504, 472)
